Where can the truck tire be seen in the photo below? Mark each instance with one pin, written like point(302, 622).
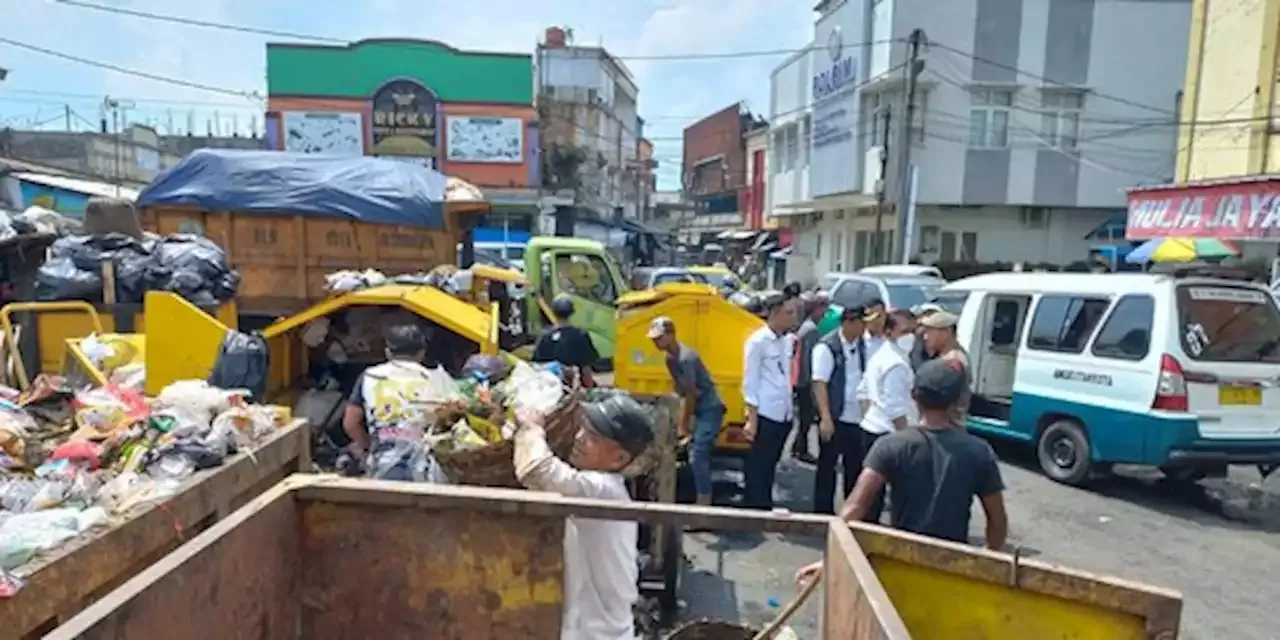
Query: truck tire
point(1063, 452)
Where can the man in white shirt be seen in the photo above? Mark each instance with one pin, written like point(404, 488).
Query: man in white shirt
point(766, 392)
point(839, 360)
point(885, 392)
point(601, 565)
point(876, 317)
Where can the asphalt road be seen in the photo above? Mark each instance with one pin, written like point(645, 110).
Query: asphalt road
point(1219, 545)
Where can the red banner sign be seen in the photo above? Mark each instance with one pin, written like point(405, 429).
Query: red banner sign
point(1237, 211)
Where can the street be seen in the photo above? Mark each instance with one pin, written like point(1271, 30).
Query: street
point(1219, 548)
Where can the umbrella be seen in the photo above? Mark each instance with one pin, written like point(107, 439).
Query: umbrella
point(1181, 250)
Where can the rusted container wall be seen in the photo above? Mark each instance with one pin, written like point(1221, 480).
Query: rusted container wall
point(283, 258)
point(855, 606)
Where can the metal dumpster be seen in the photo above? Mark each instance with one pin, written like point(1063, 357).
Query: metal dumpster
point(64, 581)
point(322, 557)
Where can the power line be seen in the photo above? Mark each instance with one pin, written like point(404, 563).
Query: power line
point(126, 71)
point(64, 97)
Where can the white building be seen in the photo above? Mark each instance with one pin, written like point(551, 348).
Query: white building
point(588, 99)
point(1032, 118)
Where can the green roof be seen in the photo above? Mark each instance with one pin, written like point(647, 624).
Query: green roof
point(358, 69)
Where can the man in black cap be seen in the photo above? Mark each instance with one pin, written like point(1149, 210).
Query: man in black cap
point(600, 556)
point(934, 470)
point(565, 343)
point(385, 419)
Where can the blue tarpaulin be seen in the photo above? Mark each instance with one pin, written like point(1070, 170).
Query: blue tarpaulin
point(361, 188)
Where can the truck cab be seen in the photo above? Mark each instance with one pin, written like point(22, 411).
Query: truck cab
point(585, 271)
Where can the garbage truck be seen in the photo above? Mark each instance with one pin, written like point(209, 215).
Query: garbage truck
point(309, 558)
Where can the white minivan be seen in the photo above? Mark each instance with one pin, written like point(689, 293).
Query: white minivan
point(1170, 371)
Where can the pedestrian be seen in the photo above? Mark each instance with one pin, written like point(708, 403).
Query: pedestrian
point(885, 394)
point(702, 411)
point(875, 317)
point(839, 360)
point(767, 393)
point(386, 419)
point(933, 471)
point(565, 343)
point(939, 334)
point(601, 559)
point(814, 305)
point(919, 351)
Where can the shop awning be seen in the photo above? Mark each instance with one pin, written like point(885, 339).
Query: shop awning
point(1246, 208)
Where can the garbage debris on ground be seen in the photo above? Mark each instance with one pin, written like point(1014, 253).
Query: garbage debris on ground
point(192, 266)
point(71, 460)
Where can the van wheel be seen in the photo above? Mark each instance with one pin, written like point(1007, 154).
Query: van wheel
point(1063, 452)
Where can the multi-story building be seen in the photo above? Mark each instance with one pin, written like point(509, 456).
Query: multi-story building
point(134, 155)
point(715, 172)
point(587, 104)
point(756, 192)
point(1030, 121)
point(1229, 143)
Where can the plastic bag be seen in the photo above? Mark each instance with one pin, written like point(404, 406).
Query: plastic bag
point(60, 279)
point(532, 389)
point(109, 409)
point(16, 429)
point(200, 400)
point(248, 424)
point(242, 364)
point(23, 536)
point(128, 490)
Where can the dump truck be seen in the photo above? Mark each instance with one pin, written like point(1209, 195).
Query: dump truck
point(309, 558)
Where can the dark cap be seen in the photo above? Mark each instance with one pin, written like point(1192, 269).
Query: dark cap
point(792, 290)
point(562, 305)
point(940, 383)
point(405, 339)
point(623, 420)
point(852, 313)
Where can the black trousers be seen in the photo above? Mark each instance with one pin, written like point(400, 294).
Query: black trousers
point(877, 504)
point(762, 462)
point(806, 415)
point(844, 448)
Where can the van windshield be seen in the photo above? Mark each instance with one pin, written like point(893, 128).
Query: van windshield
point(905, 296)
point(1228, 324)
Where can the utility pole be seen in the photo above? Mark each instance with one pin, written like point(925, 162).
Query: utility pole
point(66, 115)
point(877, 241)
point(114, 107)
point(911, 73)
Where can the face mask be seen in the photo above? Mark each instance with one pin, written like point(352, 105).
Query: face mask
point(907, 342)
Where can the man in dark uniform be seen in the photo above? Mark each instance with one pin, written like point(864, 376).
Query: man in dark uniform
point(565, 343)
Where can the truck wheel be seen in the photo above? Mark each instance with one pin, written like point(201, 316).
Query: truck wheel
point(672, 570)
point(1063, 452)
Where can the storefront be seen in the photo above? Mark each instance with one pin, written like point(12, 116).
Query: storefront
point(466, 114)
point(1242, 209)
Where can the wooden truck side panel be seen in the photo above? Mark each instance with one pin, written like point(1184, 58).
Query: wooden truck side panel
point(283, 258)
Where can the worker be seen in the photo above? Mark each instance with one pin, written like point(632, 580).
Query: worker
point(601, 562)
point(839, 361)
point(919, 353)
point(767, 393)
point(565, 343)
point(933, 470)
point(386, 419)
point(939, 335)
point(702, 410)
point(814, 306)
point(885, 394)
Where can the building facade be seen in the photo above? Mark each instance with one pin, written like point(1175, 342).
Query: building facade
point(1030, 122)
point(756, 193)
point(1228, 144)
point(588, 103)
point(715, 172)
point(467, 114)
point(133, 156)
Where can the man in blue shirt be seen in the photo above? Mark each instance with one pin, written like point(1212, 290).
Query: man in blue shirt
point(703, 410)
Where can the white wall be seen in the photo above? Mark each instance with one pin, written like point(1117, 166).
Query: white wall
point(837, 74)
point(790, 96)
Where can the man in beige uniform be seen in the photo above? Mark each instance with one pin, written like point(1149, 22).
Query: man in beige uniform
point(938, 330)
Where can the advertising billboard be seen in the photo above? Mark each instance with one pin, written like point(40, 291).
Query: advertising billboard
point(837, 74)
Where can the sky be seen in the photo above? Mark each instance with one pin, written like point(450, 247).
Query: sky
point(673, 93)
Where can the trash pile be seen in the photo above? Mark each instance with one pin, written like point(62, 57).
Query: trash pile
point(446, 278)
point(71, 460)
point(191, 266)
point(36, 221)
point(490, 394)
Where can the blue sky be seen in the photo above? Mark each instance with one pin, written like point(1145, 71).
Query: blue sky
point(673, 93)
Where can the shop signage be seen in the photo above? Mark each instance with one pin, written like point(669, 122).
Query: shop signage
point(836, 159)
point(837, 74)
point(1236, 211)
point(404, 121)
point(486, 140)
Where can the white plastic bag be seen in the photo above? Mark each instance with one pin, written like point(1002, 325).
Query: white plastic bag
point(24, 535)
point(531, 389)
point(199, 399)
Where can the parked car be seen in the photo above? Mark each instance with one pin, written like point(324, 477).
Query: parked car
point(901, 291)
point(650, 277)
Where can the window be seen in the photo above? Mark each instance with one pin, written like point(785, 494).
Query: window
point(880, 106)
point(969, 246)
point(951, 301)
point(1005, 320)
point(928, 239)
point(862, 248)
point(1060, 119)
point(837, 250)
point(989, 118)
point(585, 276)
point(805, 134)
point(1228, 324)
point(792, 148)
point(817, 248)
point(947, 247)
point(1064, 323)
point(1127, 332)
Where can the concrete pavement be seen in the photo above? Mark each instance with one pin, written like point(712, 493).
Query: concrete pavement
point(1219, 546)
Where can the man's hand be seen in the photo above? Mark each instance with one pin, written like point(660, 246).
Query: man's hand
point(530, 419)
point(749, 429)
point(826, 429)
point(809, 572)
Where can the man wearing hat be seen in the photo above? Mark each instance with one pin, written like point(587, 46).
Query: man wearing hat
point(814, 305)
point(600, 556)
point(934, 471)
point(938, 332)
point(919, 353)
point(703, 410)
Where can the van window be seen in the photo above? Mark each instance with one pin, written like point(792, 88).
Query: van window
point(951, 301)
point(1127, 332)
point(1005, 320)
point(1064, 323)
point(1228, 324)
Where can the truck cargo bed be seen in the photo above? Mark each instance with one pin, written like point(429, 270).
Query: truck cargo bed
point(324, 557)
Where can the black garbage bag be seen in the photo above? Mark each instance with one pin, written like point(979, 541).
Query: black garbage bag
point(60, 279)
point(195, 268)
point(242, 364)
